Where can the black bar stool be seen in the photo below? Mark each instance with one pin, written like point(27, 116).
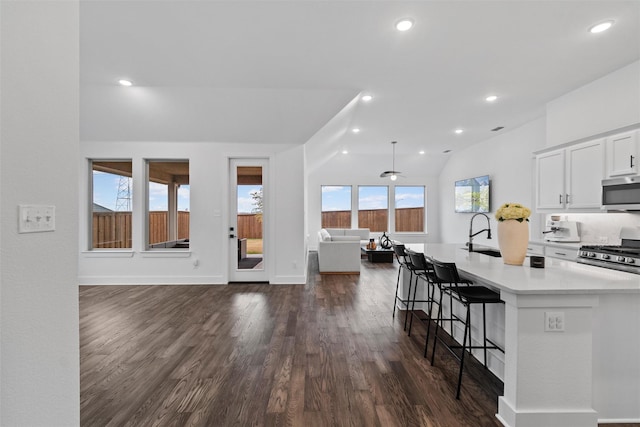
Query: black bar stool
point(422, 269)
point(400, 253)
point(447, 272)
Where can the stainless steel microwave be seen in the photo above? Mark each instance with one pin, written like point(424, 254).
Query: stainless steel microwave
point(621, 193)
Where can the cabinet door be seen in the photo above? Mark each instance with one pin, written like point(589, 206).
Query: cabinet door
point(535, 249)
point(569, 254)
point(585, 171)
point(622, 154)
point(550, 180)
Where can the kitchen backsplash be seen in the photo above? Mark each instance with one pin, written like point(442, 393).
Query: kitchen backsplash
point(601, 228)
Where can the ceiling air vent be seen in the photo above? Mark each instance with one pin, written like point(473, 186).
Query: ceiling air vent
point(497, 129)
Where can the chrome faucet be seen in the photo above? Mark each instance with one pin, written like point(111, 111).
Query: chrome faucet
point(472, 234)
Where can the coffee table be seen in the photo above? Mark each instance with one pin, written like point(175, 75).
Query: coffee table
point(378, 254)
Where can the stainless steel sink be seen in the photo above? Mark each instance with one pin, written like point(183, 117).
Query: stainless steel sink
point(490, 252)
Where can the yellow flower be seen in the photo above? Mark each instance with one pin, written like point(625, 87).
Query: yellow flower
point(513, 211)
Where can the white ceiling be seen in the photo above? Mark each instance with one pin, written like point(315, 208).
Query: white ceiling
point(278, 71)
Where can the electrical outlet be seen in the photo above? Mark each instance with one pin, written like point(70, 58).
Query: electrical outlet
point(554, 321)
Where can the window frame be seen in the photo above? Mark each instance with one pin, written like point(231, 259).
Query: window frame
point(90, 204)
point(424, 209)
point(350, 216)
point(391, 226)
point(148, 246)
point(388, 207)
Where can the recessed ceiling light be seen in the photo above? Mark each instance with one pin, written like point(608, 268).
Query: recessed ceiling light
point(603, 26)
point(458, 131)
point(491, 98)
point(124, 82)
point(421, 152)
point(355, 130)
point(404, 24)
point(345, 151)
point(367, 98)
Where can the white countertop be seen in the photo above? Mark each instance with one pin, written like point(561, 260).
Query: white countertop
point(558, 276)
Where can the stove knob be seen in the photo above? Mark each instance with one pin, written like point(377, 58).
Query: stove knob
point(591, 255)
point(630, 261)
point(621, 259)
point(605, 256)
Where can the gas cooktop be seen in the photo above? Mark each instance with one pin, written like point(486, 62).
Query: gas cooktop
point(624, 258)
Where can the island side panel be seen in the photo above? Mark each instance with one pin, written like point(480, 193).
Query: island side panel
point(616, 353)
point(548, 374)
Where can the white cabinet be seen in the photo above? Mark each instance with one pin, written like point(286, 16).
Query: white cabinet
point(559, 251)
point(584, 174)
point(622, 154)
point(550, 180)
point(535, 249)
point(570, 178)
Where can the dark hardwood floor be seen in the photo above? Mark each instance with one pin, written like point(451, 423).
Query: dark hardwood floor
point(327, 353)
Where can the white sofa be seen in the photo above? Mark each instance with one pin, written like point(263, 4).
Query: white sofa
point(362, 233)
point(340, 252)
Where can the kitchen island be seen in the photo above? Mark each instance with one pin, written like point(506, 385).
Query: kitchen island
point(581, 369)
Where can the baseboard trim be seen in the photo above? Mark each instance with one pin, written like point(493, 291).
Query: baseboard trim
point(151, 280)
point(289, 280)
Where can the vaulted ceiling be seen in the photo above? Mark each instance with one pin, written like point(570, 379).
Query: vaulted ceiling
point(279, 71)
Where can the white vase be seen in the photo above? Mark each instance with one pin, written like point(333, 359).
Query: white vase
point(513, 239)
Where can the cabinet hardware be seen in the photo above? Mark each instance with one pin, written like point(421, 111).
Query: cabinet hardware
point(560, 195)
point(630, 161)
point(560, 253)
point(566, 198)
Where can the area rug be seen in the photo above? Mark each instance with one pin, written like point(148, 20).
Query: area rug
point(248, 263)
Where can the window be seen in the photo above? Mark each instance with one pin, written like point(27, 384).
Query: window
point(336, 206)
point(373, 208)
point(409, 208)
point(168, 204)
point(111, 204)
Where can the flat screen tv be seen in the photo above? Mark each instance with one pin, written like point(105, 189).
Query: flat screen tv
point(472, 194)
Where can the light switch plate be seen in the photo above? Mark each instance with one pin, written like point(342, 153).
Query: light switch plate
point(36, 218)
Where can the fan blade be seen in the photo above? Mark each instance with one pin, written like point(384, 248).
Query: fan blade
point(389, 173)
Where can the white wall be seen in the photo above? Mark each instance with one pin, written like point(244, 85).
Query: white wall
point(346, 169)
point(609, 103)
point(508, 160)
point(600, 107)
point(209, 215)
point(39, 345)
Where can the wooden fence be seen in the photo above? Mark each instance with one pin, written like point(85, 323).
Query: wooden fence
point(410, 219)
point(373, 219)
point(249, 226)
point(407, 219)
point(336, 219)
point(113, 229)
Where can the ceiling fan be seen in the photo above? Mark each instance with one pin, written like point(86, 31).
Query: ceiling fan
point(393, 174)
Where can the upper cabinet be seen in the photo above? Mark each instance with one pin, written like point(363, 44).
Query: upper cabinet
point(571, 178)
point(550, 180)
point(622, 154)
